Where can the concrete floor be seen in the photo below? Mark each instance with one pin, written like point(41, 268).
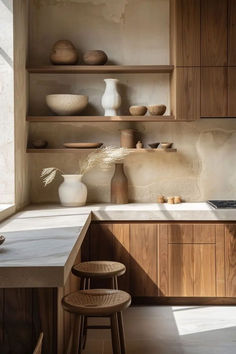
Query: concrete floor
point(172, 330)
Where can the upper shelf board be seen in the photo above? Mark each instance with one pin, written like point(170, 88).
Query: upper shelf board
point(96, 119)
point(66, 150)
point(100, 69)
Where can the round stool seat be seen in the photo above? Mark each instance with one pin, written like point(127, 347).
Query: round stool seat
point(93, 302)
point(98, 269)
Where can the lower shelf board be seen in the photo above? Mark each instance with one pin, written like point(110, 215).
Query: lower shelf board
point(63, 150)
point(97, 119)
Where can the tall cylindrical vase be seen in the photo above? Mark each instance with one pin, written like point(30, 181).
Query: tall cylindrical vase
point(111, 99)
point(72, 191)
point(119, 185)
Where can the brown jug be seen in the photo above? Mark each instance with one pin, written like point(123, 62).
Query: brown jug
point(119, 185)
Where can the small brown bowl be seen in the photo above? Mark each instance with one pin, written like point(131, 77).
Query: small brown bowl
point(166, 145)
point(157, 110)
point(40, 144)
point(137, 110)
point(154, 145)
point(2, 239)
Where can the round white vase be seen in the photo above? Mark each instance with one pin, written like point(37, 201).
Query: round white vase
point(72, 191)
point(111, 99)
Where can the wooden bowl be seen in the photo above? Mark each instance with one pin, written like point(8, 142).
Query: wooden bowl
point(65, 104)
point(95, 57)
point(166, 145)
point(137, 110)
point(157, 110)
point(39, 144)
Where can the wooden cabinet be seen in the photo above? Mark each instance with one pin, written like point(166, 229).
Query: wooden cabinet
point(214, 23)
point(232, 91)
point(185, 32)
point(231, 32)
point(214, 92)
point(169, 259)
point(185, 93)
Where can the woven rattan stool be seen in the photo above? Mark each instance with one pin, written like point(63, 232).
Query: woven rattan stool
point(97, 303)
point(98, 269)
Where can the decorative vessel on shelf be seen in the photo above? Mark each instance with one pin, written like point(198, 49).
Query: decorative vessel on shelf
point(39, 144)
point(2, 239)
point(119, 185)
point(157, 110)
point(166, 145)
point(154, 145)
point(111, 99)
point(66, 104)
point(95, 57)
point(83, 145)
point(127, 138)
point(72, 191)
point(137, 110)
point(64, 53)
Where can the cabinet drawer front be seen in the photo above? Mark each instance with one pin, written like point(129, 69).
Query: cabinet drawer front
point(204, 233)
point(180, 233)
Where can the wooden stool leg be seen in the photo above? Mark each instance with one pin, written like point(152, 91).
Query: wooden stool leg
point(82, 283)
point(88, 283)
point(121, 332)
point(74, 343)
point(116, 283)
point(85, 332)
point(115, 335)
point(113, 283)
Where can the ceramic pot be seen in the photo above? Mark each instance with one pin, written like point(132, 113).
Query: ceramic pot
point(64, 53)
point(127, 138)
point(95, 57)
point(119, 185)
point(72, 191)
point(66, 104)
point(111, 99)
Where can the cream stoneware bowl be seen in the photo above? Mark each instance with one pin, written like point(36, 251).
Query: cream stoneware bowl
point(66, 104)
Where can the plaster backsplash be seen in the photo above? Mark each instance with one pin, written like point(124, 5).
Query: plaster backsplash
point(203, 167)
point(130, 32)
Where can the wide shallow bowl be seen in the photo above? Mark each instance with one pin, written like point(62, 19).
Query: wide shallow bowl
point(154, 145)
point(157, 110)
point(166, 145)
point(137, 110)
point(83, 145)
point(66, 104)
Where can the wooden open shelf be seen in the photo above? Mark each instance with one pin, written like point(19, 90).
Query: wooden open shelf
point(96, 119)
point(66, 150)
point(100, 69)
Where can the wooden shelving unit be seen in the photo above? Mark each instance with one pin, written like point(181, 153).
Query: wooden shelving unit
point(96, 119)
point(100, 69)
point(65, 150)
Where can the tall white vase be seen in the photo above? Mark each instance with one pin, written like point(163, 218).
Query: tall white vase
point(111, 99)
point(72, 191)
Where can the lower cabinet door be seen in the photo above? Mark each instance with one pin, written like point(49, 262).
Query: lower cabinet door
point(230, 259)
point(143, 259)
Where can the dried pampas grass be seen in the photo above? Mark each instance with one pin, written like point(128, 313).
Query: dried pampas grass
point(103, 158)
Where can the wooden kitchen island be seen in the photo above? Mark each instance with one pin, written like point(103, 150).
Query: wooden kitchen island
point(174, 254)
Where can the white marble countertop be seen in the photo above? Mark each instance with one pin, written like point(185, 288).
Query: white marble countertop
point(42, 241)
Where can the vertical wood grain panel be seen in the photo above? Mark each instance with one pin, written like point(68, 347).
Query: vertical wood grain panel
point(180, 265)
point(18, 321)
point(121, 249)
point(186, 28)
point(232, 33)
point(214, 28)
point(143, 261)
point(230, 259)
point(232, 90)
point(180, 233)
point(204, 233)
point(101, 242)
point(220, 260)
point(204, 270)
point(185, 93)
point(214, 92)
point(162, 260)
point(1, 317)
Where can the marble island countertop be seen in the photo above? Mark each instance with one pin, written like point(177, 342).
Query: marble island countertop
point(42, 241)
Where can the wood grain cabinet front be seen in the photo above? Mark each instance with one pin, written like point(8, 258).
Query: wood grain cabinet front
point(169, 259)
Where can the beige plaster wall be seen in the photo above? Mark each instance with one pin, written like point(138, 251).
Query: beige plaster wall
point(21, 102)
point(131, 32)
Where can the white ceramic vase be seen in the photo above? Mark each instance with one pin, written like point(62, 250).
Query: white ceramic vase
point(111, 99)
point(72, 191)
